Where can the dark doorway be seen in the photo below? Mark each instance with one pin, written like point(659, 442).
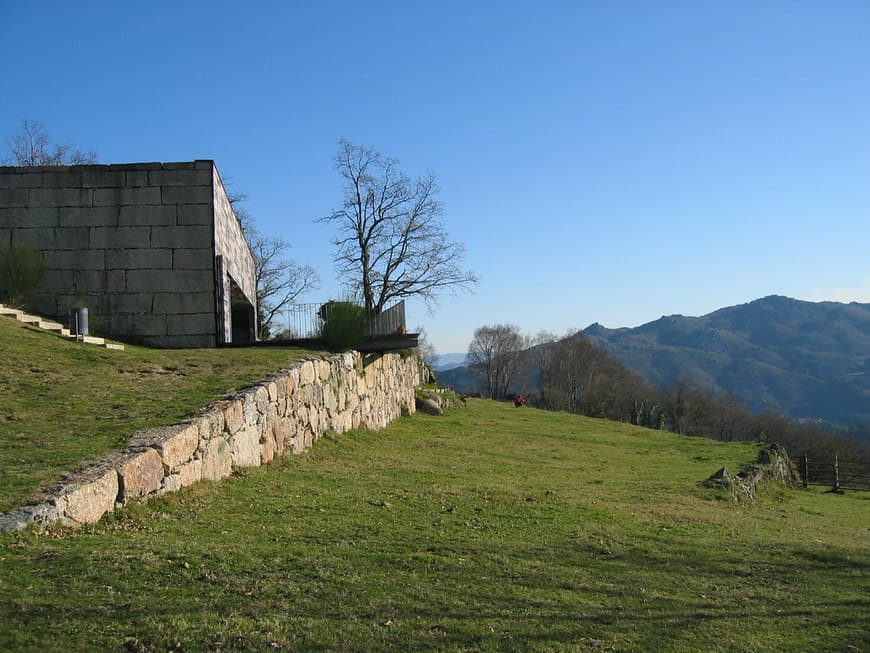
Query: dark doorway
point(242, 318)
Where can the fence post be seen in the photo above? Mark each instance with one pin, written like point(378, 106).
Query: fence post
point(836, 472)
point(806, 471)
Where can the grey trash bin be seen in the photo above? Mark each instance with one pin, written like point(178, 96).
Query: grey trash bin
point(78, 321)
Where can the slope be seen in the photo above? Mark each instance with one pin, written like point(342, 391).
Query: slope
point(63, 402)
point(489, 528)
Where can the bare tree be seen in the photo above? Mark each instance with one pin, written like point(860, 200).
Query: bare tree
point(425, 348)
point(31, 146)
point(280, 280)
point(498, 350)
point(391, 243)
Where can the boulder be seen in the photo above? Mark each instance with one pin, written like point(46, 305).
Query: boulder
point(429, 406)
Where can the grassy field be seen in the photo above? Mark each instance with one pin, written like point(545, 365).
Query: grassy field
point(63, 402)
point(489, 528)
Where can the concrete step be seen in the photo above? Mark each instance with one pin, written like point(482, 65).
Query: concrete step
point(55, 328)
point(5, 311)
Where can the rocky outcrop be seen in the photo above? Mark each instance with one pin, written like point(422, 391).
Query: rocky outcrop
point(287, 412)
point(773, 464)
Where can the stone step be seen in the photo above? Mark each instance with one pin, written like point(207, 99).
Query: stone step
point(55, 328)
point(5, 311)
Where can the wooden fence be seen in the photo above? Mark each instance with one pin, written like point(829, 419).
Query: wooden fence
point(837, 474)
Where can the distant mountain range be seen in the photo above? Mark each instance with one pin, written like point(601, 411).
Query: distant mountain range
point(807, 360)
point(449, 361)
point(804, 359)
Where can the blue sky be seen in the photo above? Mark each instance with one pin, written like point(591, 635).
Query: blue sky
point(601, 161)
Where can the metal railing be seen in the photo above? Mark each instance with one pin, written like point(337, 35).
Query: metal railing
point(305, 321)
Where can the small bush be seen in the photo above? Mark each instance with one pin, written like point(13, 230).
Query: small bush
point(344, 325)
point(21, 272)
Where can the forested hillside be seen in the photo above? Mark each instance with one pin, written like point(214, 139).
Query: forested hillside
point(804, 359)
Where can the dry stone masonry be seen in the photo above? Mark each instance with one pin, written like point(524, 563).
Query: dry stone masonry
point(286, 413)
point(773, 465)
point(153, 250)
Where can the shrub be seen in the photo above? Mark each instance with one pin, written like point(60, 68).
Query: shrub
point(345, 325)
point(21, 272)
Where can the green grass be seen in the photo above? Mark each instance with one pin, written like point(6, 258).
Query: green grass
point(63, 402)
point(489, 528)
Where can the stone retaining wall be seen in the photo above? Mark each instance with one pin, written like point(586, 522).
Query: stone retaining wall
point(286, 412)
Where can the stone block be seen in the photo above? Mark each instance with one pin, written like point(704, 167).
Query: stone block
point(119, 237)
point(190, 324)
point(234, 415)
point(193, 259)
point(148, 215)
point(5, 237)
point(103, 179)
point(245, 445)
point(267, 446)
point(177, 165)
point(138, 325)
point(140, 473)
point(134, 178)
point(88, 216)
point(271, 390)
point(139, 259)
point(16, 197)
point(24, 217)
point(195, 214)
point(210, 424)
point(261, 397)
point(249, 406)
point(283, 431)
point(191, 472)
point(91, 281)
point(196, 302)
point(76, 259)
point(187, 194)
point(307, 373)
point(37, 238)
point(183, 237)
point(171, 483)
point(176, 444)
point(15, 520)
point(126, 196)
point(170, 177)
point(128, 303)
point(59, 282)
point(324, 370)
point(182, 281)
point(90, 496)
point(63, 178)
point(21, 180)
point(59, 197)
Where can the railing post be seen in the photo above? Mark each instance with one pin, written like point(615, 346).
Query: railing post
point(806, 471)
point(836, 472)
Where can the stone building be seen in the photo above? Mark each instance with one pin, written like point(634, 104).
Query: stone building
point(153, 250)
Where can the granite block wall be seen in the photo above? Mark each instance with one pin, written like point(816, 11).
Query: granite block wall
point(135, 243)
